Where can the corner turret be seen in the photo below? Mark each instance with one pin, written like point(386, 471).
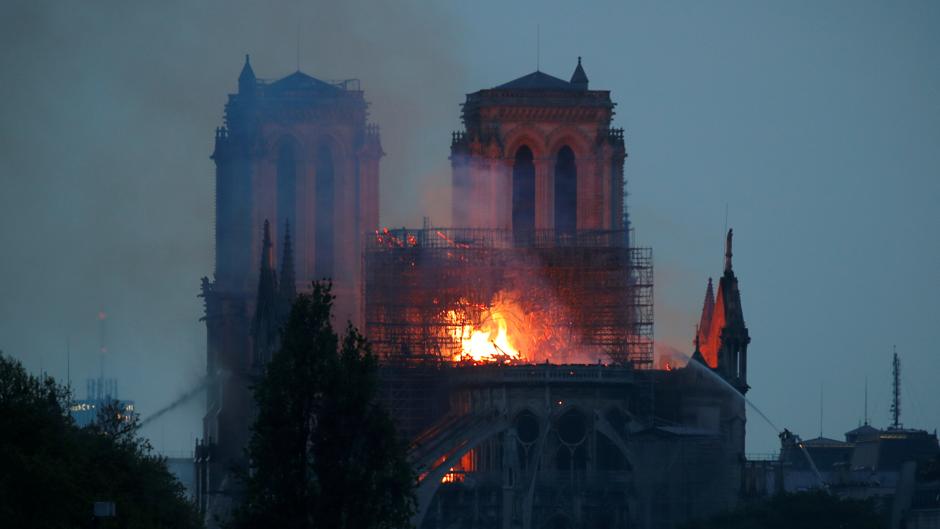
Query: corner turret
point(247, 82)
point(579, 79)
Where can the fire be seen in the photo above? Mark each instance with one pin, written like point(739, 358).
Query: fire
point(458, 472)
point(491, 341)
point(668, 357)
point(510, 331)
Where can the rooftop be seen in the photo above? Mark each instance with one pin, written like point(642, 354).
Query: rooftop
point(541, 81)
point(537, 80)
point(299, 81)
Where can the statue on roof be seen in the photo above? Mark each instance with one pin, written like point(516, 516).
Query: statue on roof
point(728, 250)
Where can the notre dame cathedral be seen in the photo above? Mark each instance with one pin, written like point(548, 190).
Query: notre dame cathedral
point(516, 346)
point(297, 163)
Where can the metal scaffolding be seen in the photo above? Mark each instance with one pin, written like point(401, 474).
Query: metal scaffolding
point(422, 285)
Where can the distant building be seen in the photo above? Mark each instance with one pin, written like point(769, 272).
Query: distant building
point(99, 393)
point(897, 467)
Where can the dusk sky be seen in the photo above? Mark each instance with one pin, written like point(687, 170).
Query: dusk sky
point(814, 124)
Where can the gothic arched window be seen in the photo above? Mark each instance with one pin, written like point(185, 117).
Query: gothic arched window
point(566, 192)
point(324, 208)
point(287, 184)
point(523, 196)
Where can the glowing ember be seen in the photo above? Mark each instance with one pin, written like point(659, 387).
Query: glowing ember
point(491, 341)
point(458, 472)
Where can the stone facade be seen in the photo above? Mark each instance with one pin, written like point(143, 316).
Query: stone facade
point(578, 446)
point(525, 446)
point(296, 151)
point(294, 154)
point(557, 131)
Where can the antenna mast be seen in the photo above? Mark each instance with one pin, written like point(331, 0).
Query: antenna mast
point(820, 410)
point(538, 47)
point(102, 348)
point(896, 391)
point(866, 401)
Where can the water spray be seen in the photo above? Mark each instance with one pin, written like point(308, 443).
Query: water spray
point(185, 397)
point(799, 442)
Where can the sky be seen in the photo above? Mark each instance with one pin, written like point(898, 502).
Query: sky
point(811, 128)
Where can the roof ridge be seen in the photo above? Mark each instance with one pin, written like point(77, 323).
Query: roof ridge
point(537, 80)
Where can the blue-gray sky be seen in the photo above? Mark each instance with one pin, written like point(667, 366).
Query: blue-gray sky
point(816, 123)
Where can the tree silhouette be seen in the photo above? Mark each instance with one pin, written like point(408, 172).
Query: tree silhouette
point(323, 452)
point(53, 471)
point(806, 510)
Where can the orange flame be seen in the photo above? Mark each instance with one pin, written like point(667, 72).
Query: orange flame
point(490, 342)
point(458, 472)
point(504, 332)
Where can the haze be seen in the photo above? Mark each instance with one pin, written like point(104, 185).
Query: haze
point(816, 126)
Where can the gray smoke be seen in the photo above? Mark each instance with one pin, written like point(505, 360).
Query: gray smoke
point(818, 129)
point(182, 399)
point(108, 111)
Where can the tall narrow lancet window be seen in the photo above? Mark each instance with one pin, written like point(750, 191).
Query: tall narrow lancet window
point(324, 207)
point(286, 184)
point(523, 196)
point(616, 197)
point(566, 193)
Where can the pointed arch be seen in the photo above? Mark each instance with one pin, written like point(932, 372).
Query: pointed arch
point(566, 192)
point(288, 175)
point(324, 210)
point(467, 433)
point(526, 134)
point(523, 195)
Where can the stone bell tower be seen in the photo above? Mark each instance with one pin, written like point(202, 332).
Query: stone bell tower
point(296, 151)
point(297, 176)
point(538, 154)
